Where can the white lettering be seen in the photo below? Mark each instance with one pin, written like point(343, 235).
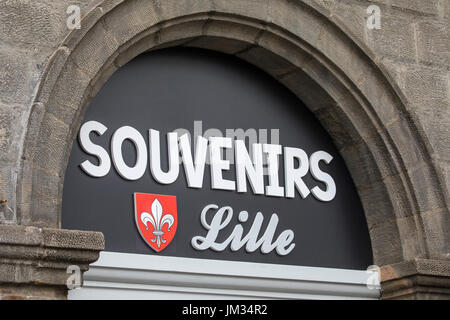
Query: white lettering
point(283, 244)
point(218, 165)
point(194, 172)
point(155, 157)
point(126, 172)
point(273, 151)
point(246, 167)
point(293, 176)
point(319, 175)
point(249, 166)
point(104, 165)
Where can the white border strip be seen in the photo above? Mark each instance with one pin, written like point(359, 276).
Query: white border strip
point(137, 276)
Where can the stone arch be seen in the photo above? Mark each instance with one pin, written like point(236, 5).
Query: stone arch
point(299, 45)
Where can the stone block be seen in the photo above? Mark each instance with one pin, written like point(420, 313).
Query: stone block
point(416, 279)
point(267, 61)
point(55, 64)
point(60, 238)
point(227, 28)
point(445, 10)
point(69, 91)
point(218, 44)
point(427, 91)
point(352, 16)
point(376, 202)
point(437, 230)
point(285, 49)
point(366, 162)
point(295, 17)
point(129, 19)
point(54, 145)
point(411, 238)
point(427, 189)
point(445, 169)
point(307, 90)
point(49, 185)
point(405, 142)
point(15, 77)
point(433, 42)
point(20, 235)
point(383, 155)
point(34, 261)
point(44, 212)
point(384, 104)
point(427, 7)
point(426, 86)
point(386, 244)
point(167, 10)
point(395, 38)
point(338, 127)
point(11, 129)
point(33, 25)
point(256, 9)
point(395, 186)
point(92, 53)
point(184, 31)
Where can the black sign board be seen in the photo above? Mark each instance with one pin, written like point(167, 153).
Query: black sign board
point(203, 93)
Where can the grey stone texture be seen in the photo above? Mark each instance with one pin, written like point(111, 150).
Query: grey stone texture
point(34, 262)
point(382, 94)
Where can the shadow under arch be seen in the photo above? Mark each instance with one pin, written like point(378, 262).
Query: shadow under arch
point(293, 42)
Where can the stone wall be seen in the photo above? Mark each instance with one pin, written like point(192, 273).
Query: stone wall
point(411, 49)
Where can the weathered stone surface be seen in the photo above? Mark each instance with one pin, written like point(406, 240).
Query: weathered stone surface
point(10, 130)
point(227, 28)
point(433, 42)
point(53, 134)
point(386, 246)
point(411, 236)
point(95, 49)
point(186, 31)
point(300, 20)
point(50, 185)
point(361, 164)
point(266, 61)
point(399, 199)
point(429, 94)
point(373, 198)
point(255, 8)
point(302, 85)
point(68, 92)
point(437, 228)
point(338, 126)
point(416, 279)
point(34, 261)
point(445, 9)
point(445, 169)
point(31, 24)
point(15, 74)
point(428, 7)
point(424, 184)
point(395, 38)
point(124, 22)
point(353, 16)
point(391, 128)
point(167, 10)
point(218, 44)
point(403, 140)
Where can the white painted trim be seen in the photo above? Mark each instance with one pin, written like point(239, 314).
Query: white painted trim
point(137, 276)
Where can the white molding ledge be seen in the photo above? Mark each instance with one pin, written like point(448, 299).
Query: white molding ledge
point(136, 276)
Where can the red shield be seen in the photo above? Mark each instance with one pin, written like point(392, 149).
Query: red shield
point(156, 218)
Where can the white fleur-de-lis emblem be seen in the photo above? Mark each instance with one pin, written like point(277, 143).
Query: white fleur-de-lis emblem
point(157, 220)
